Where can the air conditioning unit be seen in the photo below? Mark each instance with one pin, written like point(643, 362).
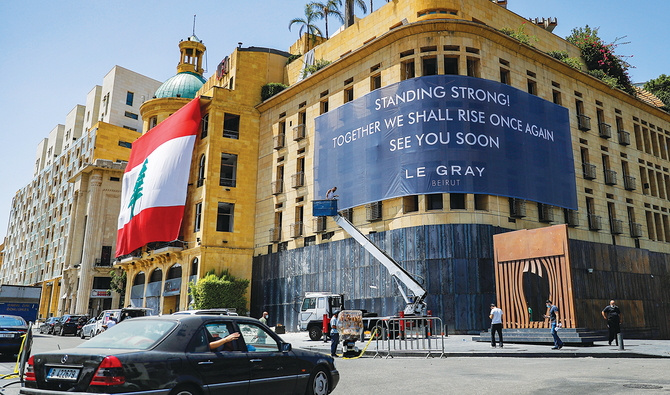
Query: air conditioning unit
point(517, 208)
point(320, 224)
point(373, 211)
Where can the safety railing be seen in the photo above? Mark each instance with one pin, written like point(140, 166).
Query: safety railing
point(410, 335)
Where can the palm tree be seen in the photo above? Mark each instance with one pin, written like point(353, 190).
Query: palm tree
point(349, 10)
point(307, 24)
point(324, 9)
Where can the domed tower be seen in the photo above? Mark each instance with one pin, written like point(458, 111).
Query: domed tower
point(178, 90)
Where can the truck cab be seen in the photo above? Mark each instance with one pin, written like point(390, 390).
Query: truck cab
point(314, 306)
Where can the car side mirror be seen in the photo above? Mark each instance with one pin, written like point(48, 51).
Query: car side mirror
point(286, 347)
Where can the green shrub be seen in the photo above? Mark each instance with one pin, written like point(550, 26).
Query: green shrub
point(271, 89)
point(313, 68)
point(520, 34)
point(604, 77)
point(225, 291)
point(292, 58)
point(563, 57)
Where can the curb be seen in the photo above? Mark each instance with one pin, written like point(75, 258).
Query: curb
point(555, 354)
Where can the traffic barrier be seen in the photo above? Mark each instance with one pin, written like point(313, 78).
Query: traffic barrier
point(410, 335)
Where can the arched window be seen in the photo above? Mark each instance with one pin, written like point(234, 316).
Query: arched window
point(174, 271)
point(139, 279)
point(201, 171)
point(156, 275)
point(194, 267)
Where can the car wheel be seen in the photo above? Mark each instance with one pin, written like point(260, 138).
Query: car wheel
point(185, 390)
point(41, 330)
point(315, 333)
point(319, 384)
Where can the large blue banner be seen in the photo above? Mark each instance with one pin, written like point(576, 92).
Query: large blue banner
point(444, 134)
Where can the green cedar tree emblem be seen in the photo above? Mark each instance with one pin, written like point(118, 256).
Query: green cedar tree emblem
point(137, 189)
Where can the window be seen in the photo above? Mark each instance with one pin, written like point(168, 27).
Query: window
point(556, 95)
point(407, 70)
point(482, 202)
point(228, 170)
point(323, 108)
point(532, 87)
point(451, 65)
point(198, 217)
point(224, 217)
point(125, 144)
point(473, 67)
point(231, 126)
point(434, 201)
point(153, 121)
point(131, 115)
point(204, 126)
point(375, 82)
point(349, 94)
point(505, 76)
point(429, 66)
point(129, 98)
point(257, 338)
point(457, 201)
point(410, 203)
point(201, 171)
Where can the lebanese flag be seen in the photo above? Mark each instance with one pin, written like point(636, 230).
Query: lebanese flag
point(154, 186)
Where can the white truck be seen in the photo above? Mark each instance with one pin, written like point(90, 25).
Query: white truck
point(316, 304)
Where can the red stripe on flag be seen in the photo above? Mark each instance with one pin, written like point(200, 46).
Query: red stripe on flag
point(151, 224)
point(184, 122)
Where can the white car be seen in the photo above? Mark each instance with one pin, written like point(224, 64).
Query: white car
point(88, 329)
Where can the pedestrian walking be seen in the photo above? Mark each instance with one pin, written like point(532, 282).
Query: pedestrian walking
point(264, 318)
point(334, 334)
point(496, 325)
point(553, 317)
point(614, 318)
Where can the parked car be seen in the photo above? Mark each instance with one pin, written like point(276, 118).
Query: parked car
point(48, 325)
point(230, 311)
point(119, 315)
point(171, 354)
point(12, 327)
point(88, 329)
point(69, 324)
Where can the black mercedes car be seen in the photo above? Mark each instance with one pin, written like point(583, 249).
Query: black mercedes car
point(69, 324)
point(172, 355)
point(48, 325)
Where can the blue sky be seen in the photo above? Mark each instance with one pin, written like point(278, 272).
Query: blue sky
point(54, 52)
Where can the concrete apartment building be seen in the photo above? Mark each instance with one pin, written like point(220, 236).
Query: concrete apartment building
point(62, 225)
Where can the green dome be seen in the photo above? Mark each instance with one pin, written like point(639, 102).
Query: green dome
point(184, 85)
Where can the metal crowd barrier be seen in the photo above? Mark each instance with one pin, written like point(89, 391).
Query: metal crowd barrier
point(410, 335)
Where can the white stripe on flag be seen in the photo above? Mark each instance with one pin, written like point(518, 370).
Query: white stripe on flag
point(165, 179)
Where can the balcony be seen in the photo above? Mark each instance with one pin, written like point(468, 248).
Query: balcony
point(100, 263)
point(605, 130)
point(373, 211)
point(571, 218)
point(275, 234)
point(298, 180)
point(296, 229)
point(278, 141)
point(583, 122)
point(629, 183)
point(278, 187)
point(595, 222)
point(589, 171)
point(299, 132)
point(320, 224)
point(610, 177)
point(517, 208)
point(160, 247)
point(616, 226)
point(635, 229)
point(624, 137)
point(545, 213)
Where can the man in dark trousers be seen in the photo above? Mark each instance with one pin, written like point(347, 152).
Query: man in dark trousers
point(496, 325)
point(614, 317)
point(553, 317)
point(334, 334)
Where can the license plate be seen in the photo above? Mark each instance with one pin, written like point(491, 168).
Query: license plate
point(6, 335)
point(63, 374)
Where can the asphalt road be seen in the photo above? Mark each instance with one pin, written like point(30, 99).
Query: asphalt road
point(469, 375)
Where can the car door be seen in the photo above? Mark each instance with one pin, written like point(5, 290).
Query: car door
point(222, 372)
point(272, 371)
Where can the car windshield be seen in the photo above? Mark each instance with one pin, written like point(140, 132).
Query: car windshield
point(11, 321)
point(131, 334)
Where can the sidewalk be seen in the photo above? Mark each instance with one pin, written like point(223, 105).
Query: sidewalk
point(463, 346)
